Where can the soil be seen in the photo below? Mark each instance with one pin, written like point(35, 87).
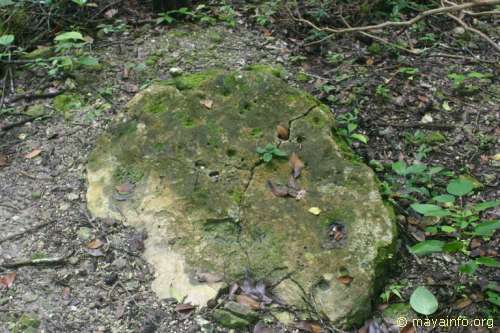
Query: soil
point(108, 289)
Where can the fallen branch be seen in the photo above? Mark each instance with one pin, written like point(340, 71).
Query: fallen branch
point(5, 128)
point(417, 125)
point(476, 31)
point(29, 230)
point(32, 96)
point(440, 10)
point(36, 262)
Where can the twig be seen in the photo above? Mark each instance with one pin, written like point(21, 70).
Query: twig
point(32, 96)
point(410, 22)
point(21, 122)
point(476, 31)
point(418, 125)
point(29, 230)
point(35, 262)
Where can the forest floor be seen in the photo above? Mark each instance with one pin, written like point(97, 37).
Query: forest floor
point(74, 273)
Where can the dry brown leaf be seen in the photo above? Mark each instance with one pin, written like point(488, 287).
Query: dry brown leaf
point(3, 160)
point(262, 328)
point(408, 328)
point(184, 307)
point(208, 277)
point(66, 293)
point(7, 280)
point(308, 326)
point(462, 303)
point(125, 188)
point(120, 310)
point(282, 132)
point(94, 244)
point(369, 61)
point(345, 279)
point(296, 164)
point(34, 153)
point(208, 103)
point(94, 252)
point(111, 12)
point(249, 301)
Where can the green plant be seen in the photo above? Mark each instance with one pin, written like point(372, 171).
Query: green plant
point(382, 92)
point(269, 151)
point(70, 54)
point(468, 83)
point(349, 123)
point(334, 58)
point(392, 289)
point(423, 301)
point(118, 26)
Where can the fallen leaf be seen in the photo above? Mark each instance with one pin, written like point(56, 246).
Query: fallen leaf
point(208, 103)
point(7, 280)
point(262, 328)
point(94, 244)
point(249, 301)
point(208, 277)
point(3, 160)
point(233, 289)
point(130, 87)
point(94, 252)
point(125, 188)
point(33, 153)
point(296, 164)
point(120, 310)
point(462, 303)
point(111, 12)
point(184, 308)
point(282, 132)
point(279, 191)
point(370, 61)
point(308, 326)
point(66, 293)
point(314, 210)
point(345, 279)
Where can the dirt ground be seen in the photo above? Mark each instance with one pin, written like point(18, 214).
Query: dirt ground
point(90, 276)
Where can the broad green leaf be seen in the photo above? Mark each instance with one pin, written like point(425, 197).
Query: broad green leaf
point(88, 61)
point(280, 153)
point(487, 229)
point(427, 247)
point(448, 229)
point(70, 35)
point(434, 170)
point(430, 210)
point(444, 198)
point(488, 261)
point(6, 40)
point(269, 147)
point(460, 187)
point(493, 297)
point(416, 168)
point(399, 167)
point(267, 157)
point(486, 205)
point(469, 267)
point(4, 3)
point(360, 137)
point(453, 247)
point(260, 150)
point(351, 127)
point(423, 301)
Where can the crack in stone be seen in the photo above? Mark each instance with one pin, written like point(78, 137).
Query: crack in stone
point(252, 175)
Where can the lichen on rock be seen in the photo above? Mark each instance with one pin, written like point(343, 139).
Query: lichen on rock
point(204, 200)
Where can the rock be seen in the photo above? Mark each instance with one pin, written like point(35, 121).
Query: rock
point(175, 71)
point(229, 320)
point(172, 148)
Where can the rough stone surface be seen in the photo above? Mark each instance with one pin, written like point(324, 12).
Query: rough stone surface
point(184, 159)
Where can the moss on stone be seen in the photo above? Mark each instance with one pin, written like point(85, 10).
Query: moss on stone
point(199, 167)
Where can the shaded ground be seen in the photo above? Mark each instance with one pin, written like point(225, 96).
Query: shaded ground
point(108, 289)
